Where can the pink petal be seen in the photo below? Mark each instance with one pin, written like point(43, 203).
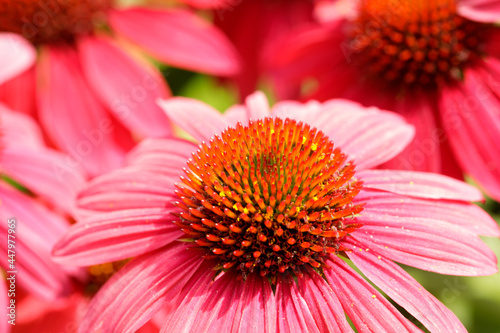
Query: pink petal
point(311, 304)
point(16, 55)
point(129, 188)
point(72, 116)
point(367, 135)
point(487, 11)
point(162, 155)
point(407, 292)
point(178, 38)
point(468, 217)
point(36, 231)
point(115, 236)
point(257, 106)
point(195, 117)
point(226, 305)
point(424, 152)
point(365, 306)
point(140, 289)
point(473, 125)
point(419, 184)
point(128, 89)
point(19, 130)
point(426, 243)
point(19, 92)
point(46, 173)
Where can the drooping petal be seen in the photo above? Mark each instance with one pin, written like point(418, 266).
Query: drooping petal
point(36, 230)
point(129, 89)
point(46, 173)
point(419, 184)
point(115, 236)
point(365, 306)
point(315, 298)
point(406, 291)
point(178, 38)
point(140, 289)
point(468, 217)
point(16, 55)
point(487, 11)
point(367, 135)
point(473, 126)
point(426, 243)
point(195, 117)
point(226, 305)
point(73, 117)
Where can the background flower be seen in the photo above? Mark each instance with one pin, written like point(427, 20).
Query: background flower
point(91, 91)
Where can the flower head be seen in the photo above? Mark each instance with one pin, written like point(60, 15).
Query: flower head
point(251, 237)
point(434, 62)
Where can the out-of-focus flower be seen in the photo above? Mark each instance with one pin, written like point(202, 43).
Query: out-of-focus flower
point(434, 62)
point(253, 236)
point(92, 96)
point(37, 196)
point(254, 26)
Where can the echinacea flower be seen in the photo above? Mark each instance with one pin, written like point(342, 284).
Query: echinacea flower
point(91, 95)
point(434, 62)
point(254, 26)
point(250, 231)
point(37, 196)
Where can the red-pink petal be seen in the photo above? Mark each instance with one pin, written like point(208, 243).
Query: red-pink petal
point(226, 305)
point(257, 106)
point(178, 38)
point(426, 243)
point(424, 151)
point(116, 235)
point(472, 123)
point(365, 306)
point(140, 289)
point(419, 184)
point(73, 117)
point(128, 89)
point(406, 291)
point(16, 55)
point(195, 117)
point(212, 4)
point(468, 217)
point(487, 11)
point(19, 92)
point(46, 173)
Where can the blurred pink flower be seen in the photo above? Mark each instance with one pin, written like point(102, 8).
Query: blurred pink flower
point(48, 297)
point(91, 95)
point(272, 207)
point(434, 62)
point(254, 26)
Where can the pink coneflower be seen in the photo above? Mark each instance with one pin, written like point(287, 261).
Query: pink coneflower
point(434, 62)
point(91, 95)
point(255, 235)
point(254, 26)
